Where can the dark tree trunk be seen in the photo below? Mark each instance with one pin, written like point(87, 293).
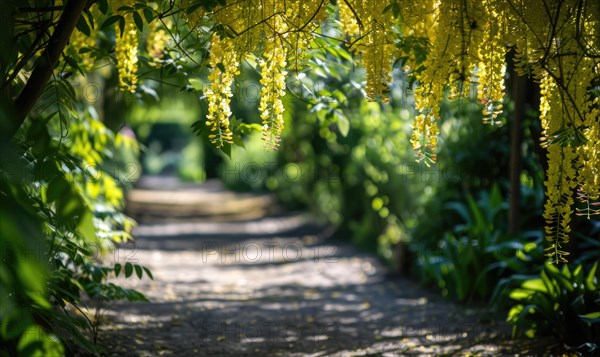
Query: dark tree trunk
point(516, 140)
point(44, 65)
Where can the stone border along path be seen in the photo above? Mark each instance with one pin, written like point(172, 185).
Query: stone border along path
point(271, 285)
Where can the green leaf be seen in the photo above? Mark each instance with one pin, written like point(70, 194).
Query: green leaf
point(121, 26)
point(117, 269)
point(388, 8)
point(561, 278)
point(12, 326)
point(128, 269)
point(246, 129)
point(196, 83)
point(83, 27)
point(137, 18)
point(520, 294)
point(515, 312)
point(78, 259)
point(36, 342)
point(97, 275)
point(138, 271)
point(343, 125)
point(461, 209)
point(86, 226)
point(226, 149)
point(90, 18)
point(591, 318)
point(70, 207)
point(148, 14)
point(139, 5)
point(567, 137)
point(148, 272)
point(149, 93)
point(32, 273)
point(39, 137)
point(73, 63)
point(535, 284)
point(198, 127)
point(237, 140)
point(590, 282)
point(111, 20)
point(103, 6)
point(56, 189)
point(547, 283)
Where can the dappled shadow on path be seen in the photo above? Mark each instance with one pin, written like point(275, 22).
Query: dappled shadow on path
point(275, 286)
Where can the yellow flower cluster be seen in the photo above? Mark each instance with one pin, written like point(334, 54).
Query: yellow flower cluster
point(126, 49)
point(158, 38)
point(278, 25)
point(348, 20)
point(126, 53)
point(553, 42)
point(271, 108)
point(466, 43)
point(560, 181)
point(589, 154)
point(80, 41)
point(194, 17)
point(248, 21)
point(418, 17)
point(554, 48)
point(375, 42)
point(524, 22)
point(305, 15)
point(425, 128)
point(491, 67)
point(417, 21)
point(432, 81)
point(222, 54)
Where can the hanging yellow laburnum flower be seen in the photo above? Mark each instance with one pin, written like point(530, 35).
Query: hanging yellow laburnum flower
point(272, 80)
point(569, 117)
point(491, 68)
point(560, 179)
point(375, 44)
point(273, 74)
point(589, 168)
point(158, 38)
point(79, 42)
point(348, 20)
point(307, 15)
point(126, 54)
point(429, 94)
point(425, 128)
point(224, 63)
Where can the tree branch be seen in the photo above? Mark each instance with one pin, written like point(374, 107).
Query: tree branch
point(44, 65)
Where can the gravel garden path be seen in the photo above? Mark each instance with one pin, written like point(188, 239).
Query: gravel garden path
point(234, 276)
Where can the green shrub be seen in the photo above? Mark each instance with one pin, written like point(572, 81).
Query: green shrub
point(61, 207)
point(564, 303)
point(471, 257)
